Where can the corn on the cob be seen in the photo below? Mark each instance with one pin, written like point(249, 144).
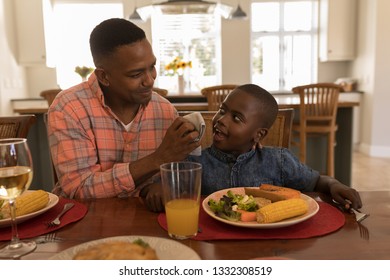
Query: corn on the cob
point(281, 210)
point(31, 202)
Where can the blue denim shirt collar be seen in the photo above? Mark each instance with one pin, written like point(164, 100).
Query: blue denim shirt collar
point(229, 158)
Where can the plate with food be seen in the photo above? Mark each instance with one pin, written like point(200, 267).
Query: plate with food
point(264, 207)
point(31, 204)
point(131, 247)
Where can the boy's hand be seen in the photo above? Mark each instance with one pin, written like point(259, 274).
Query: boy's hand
point(346, 196)
point(153, 197)
point(342, 194)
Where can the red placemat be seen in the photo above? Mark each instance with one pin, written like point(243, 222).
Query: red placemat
point(36, 226)
point(328, 219)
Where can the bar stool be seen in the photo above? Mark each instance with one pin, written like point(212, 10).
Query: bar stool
point(50, 94)
point(216, 94)
point(317, 116)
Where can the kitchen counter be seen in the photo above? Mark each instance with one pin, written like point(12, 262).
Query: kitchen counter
point(347, 120)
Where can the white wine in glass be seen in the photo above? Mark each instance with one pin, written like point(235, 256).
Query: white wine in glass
point(16, 173)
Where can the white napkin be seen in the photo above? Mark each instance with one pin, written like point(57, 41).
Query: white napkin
point(197, 120)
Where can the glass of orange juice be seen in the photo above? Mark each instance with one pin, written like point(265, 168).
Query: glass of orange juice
point(181, 182)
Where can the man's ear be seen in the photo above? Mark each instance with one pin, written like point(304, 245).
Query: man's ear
point(260, 134)
point(102, 77)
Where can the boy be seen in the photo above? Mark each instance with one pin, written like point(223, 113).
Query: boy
point(235, 159)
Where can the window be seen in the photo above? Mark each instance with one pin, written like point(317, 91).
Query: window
point(68, 34)
point(284, 43)
point(191, 37)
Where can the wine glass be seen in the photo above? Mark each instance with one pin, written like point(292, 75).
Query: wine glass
point(16, 173)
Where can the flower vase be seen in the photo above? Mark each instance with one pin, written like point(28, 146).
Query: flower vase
point(180, 84)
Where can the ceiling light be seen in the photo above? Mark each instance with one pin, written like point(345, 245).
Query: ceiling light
point(135, 15)
point(238, 13)
point(178, 7)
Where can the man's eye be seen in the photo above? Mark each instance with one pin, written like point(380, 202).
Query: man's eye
point(135, 75)
point(221, 111)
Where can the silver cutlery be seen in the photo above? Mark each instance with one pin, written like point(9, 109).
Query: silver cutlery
point(56, 221)
point(359, 216)
point(48, 238)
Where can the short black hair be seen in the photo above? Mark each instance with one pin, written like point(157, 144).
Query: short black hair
point(112, 33)
point(267, 103)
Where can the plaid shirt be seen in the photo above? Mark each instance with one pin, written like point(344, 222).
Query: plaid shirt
point(90, 148)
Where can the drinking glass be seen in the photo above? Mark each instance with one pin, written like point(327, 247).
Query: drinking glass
point(16, 173)
point(181, 182)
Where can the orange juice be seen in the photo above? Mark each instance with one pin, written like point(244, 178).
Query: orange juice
point(182, 217)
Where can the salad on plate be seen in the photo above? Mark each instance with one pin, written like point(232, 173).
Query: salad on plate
point(235, 207)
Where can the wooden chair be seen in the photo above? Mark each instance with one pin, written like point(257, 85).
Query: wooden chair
point(161, 91)
point(16, 126)
point(317, 117)
point(278, 135)
point(216, 94)
point(50, 94)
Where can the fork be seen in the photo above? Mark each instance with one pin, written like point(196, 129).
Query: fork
point(56, 221)
point(359, 215)
point(51, 237)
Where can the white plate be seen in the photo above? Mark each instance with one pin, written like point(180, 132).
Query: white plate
point(53, 200)
point(313, 209)
point(166, 249)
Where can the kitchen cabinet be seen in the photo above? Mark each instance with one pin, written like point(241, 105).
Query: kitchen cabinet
point(30, 32)
point(337, 34)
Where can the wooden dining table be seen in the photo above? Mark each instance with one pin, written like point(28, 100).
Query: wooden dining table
point(123, 217)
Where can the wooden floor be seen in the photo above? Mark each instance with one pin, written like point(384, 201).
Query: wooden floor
point(370, 173)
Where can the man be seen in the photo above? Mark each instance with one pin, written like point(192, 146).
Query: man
point(109, 135)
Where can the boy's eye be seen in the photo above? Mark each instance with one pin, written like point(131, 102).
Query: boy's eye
point(236, 118)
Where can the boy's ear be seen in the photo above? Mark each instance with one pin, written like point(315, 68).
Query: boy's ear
point(102, 77)
point(260, 134)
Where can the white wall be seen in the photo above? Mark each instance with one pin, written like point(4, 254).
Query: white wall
point(12, 76)
point(372, 68)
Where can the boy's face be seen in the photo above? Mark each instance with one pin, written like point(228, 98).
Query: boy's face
point(237, 125)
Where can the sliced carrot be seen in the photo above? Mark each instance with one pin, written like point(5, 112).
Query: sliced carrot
point(247, 216)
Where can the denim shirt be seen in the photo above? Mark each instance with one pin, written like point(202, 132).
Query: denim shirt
point(268, 165)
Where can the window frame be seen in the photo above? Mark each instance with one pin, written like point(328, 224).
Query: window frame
point(170, 83)
point(282, 34)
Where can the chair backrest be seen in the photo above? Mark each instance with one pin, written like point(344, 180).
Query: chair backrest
point(278, 135)
point(50, 94)
point(216, 94)
point(163, 92)
point(16, 126)
point(318, 103)
point(55, 177)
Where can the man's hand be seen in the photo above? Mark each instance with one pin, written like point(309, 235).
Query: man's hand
point(178, 142)
point(153, 197)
